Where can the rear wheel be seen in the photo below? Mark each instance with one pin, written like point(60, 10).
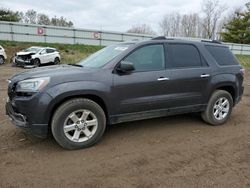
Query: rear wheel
point(219, 108)
point(78, 123)
point(2, 60)
point(56, 61)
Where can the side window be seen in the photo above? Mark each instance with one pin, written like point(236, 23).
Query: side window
point(43, 52)
point(148, 58)
point(222, 55)
point(49, 50)
point(184, 55)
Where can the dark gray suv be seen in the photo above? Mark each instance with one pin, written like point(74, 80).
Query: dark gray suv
point(126, 82)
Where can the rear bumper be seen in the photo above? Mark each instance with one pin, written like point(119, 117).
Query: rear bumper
point(21, 121)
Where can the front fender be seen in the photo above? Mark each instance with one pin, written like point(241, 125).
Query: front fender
point(67, 90)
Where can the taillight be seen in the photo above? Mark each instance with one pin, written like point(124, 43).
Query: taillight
point(243, 72)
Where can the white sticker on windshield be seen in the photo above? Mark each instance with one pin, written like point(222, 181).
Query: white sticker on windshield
point(121, 48)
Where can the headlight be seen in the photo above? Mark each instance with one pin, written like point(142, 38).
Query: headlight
point(32, 85)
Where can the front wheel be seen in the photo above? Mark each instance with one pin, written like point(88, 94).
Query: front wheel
point(37, 62)
point(219, 108)
point(78, 123)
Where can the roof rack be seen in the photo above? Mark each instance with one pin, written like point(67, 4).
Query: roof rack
point(212, 41)
point(159, 38)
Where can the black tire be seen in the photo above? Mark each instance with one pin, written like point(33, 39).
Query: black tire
point(37, 62)
point(2, 60)
point(63, 112)
point(208, 115)
point(56, 61)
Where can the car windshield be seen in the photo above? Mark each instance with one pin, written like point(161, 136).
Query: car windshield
point(32, 49)
point(104, 55)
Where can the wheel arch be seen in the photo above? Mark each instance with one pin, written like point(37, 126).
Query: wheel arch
point(229, 87)
point(92, 97)
point(2, 56)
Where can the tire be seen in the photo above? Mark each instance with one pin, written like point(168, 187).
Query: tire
point(2, 60)
point(72, 132)
point(37, 62)
point(56, 61)
point(219, 108)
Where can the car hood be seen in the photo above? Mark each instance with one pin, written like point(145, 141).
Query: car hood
point(57, 73)
point(25, 53)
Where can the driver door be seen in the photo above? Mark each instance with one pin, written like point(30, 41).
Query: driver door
point(145, 88)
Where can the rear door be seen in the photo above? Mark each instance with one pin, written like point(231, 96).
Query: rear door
point(51, 54)
point(189, 74)
point(145, 88)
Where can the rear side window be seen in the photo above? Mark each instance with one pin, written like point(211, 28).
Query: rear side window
point(184, 55)
point(222, 55)
point(50, 50)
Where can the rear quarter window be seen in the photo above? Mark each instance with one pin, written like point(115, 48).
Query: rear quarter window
point(222, 55)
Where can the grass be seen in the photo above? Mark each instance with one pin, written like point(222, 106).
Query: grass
point(244, 60)
point(73, 53)
point(69, 53)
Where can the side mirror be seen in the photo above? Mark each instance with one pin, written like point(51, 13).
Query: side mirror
point(125, 66)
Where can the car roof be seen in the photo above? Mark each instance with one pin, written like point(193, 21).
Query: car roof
point(41, 47)
point(178, 40)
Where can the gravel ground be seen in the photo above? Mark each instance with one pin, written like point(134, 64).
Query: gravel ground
point(178, 151)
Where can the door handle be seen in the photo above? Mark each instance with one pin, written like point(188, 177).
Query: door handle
point(205, 75)
point(162, 79)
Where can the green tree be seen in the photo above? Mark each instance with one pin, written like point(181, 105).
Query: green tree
point(8, 15)
point(237, 30)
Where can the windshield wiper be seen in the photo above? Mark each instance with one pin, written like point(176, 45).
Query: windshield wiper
point(76, 65)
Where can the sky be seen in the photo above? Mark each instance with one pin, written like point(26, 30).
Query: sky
point(113, 15)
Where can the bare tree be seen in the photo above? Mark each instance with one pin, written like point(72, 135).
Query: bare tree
point(165, 25)
point(212, 10)
point(141, 29)
point(43, 19)
point(170, 24)
point(30, 17)
point(189, 25)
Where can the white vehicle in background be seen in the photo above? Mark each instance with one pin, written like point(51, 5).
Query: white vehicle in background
point(36, 56)
point(3, 55)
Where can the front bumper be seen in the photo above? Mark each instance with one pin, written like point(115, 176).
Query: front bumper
point(21, 121)
point(16, 118)
point(22, 63)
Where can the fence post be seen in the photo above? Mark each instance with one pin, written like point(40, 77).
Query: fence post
point(100, 43)
point(11, 31)
point(74, 33)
